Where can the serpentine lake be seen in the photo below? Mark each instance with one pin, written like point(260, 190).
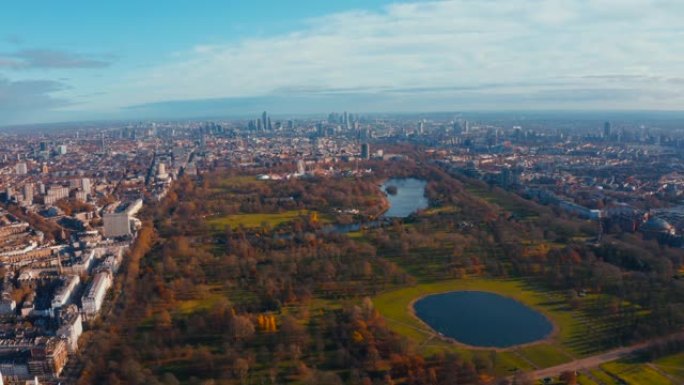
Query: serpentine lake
point(409, 198)
point(482, 319)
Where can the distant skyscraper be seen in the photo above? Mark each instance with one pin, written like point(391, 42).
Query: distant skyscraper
point(85, 185)
point(517, 132)
point(28, 193)
point(301, 169)
point(365, 151)
point(606, 130)
point(264, 120)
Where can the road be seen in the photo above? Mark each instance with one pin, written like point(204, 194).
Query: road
point(595, 361)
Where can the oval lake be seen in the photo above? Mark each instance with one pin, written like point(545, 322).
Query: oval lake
point(482, 319)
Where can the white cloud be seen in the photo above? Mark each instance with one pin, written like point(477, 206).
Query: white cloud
point(496, 48)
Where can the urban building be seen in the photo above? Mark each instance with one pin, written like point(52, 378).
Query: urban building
point(95, 293)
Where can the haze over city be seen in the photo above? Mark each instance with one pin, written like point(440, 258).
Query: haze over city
point(79, 60)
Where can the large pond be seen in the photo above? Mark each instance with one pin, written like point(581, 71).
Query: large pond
point(482, 319)
point(409, 197)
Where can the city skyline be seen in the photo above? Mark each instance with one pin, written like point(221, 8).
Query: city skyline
point(130, 61)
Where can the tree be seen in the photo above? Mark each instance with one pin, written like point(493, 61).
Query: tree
point(241, 369)
point(568, 377)
point(241, 328)
point(170, 379)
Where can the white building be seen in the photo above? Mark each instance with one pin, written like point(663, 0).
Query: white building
point(58, 192)
point(86, 186)
point(161, 171)
point(64, 293)
point(119, 222)
point(95, 293)
point(80, 263)
point(21, 168)
point(28, 193)
point(71, 327)
point(112, 262)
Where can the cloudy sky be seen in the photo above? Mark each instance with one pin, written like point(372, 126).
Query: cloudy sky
point(129, 59)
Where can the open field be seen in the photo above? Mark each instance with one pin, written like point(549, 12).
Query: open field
point(584, 379)
point(603, 377)
point(672, 365)
point(239, 180)
point(636, 373)
point(257, 220)
point(519, 207)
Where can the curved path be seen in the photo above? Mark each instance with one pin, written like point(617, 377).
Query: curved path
point(595, 361)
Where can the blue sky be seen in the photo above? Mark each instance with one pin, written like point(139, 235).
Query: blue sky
point(125, 59)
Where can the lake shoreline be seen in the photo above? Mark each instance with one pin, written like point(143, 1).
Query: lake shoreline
point(436, 334)
point(394, 202)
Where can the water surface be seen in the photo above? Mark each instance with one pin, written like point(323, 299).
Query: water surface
point(483, 319)
point(410, 197)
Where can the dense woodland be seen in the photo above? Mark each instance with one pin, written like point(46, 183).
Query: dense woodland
point(241, 305)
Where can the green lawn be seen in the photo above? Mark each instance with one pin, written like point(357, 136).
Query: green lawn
point(672, 365)
point(545, 355)
point(238, 180)
point(583, 379)
point(636, 374)
point(256, 220)
point(394, 306)
point(189, 306)
point(519, 207)
point(603, 377)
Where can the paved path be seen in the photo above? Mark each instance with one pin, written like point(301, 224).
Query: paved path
point(595, 361)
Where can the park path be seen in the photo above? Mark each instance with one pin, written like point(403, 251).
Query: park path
point(596, 360)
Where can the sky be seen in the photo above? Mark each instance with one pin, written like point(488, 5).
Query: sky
point(129, 59)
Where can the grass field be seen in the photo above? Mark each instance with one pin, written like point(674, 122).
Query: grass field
point(239, 180)
point(583, 379)
point(257, 220)
point(603, 377)
point(394, 306)
point(189, 306)
point(672, 365)
point(545, 355)
point(637, 374)
point(521, 208)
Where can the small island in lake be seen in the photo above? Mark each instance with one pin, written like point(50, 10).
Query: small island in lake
point(391, 190)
